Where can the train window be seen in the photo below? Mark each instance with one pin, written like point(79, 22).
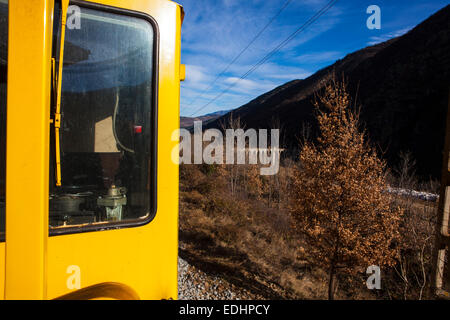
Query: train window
point(107, 122)
point(3, 77)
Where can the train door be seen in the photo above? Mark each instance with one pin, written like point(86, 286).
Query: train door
point(112, 186)
point(3, 80)
point(92, 192)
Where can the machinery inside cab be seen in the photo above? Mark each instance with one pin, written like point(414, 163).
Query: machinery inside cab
point(89, 100)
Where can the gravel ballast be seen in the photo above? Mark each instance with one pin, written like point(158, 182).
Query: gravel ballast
point(194, 284)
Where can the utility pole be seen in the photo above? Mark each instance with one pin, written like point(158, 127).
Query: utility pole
point(441, 274)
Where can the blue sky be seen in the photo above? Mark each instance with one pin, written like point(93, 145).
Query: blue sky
point(215, 31)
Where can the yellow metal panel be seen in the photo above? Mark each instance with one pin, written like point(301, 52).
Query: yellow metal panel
point(57, 119)
point(143, 258)
point(29, 56)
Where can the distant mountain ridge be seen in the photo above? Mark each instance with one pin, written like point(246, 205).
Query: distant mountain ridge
point(402, 86)
point(187, 122)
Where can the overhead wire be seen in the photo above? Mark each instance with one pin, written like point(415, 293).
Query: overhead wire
point(303, 27)
point(241, 52)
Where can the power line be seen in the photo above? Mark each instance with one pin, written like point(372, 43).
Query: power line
point(241, 53)
point(316, 16)
point(310, 21)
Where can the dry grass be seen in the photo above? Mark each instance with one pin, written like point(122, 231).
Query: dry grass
point(247, 237)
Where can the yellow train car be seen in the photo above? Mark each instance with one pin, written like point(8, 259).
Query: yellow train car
point(89, 98)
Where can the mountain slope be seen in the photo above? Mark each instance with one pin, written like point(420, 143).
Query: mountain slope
point(186, 122)
point(402, 86)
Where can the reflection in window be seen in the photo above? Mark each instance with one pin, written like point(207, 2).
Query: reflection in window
point(3, 68)
point(106, 130)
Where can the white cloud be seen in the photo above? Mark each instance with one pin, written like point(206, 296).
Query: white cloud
point(385, 37)
point(316, 57)
point(196, 74)
point(214, 32)
point(248, 86)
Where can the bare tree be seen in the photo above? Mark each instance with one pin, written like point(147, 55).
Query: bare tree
point(406, 171)
point(232, 170)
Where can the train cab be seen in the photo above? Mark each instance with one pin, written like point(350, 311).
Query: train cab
point(89, 99)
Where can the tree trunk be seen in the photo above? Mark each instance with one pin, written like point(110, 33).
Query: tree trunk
point(331, 283)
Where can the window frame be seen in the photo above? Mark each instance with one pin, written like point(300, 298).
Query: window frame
point(150, 216)
point(3, 235)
